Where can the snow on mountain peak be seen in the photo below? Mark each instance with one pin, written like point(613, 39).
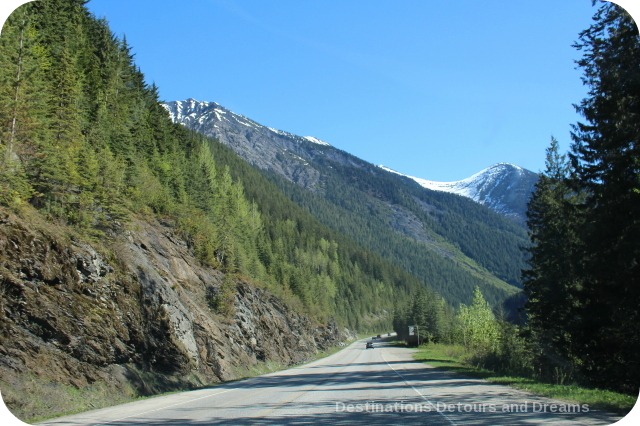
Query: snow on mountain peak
point(503, 187)
point(189, 108)
point(315, 140)
point(467, 187)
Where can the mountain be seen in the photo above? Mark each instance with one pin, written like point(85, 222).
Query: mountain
point(504, 188)
point(267, 148)
point(448, 242)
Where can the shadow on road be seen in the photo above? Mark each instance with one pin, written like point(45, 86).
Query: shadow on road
point(440, 398)
point(411, 412)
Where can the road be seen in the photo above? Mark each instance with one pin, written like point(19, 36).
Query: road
point(380, 386)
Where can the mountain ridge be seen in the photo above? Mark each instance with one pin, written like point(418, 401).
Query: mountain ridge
point(251, 140)
point(503, 187)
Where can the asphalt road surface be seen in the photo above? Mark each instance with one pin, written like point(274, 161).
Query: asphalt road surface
point(379, 386)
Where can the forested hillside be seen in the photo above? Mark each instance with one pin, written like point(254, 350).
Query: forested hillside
point(438, 238)
point(86, 142)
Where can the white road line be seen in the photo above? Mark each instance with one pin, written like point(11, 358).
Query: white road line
point(418, 392)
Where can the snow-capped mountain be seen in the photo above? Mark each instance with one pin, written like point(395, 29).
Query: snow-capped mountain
point(504, 188)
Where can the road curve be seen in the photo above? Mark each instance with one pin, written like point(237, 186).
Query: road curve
point(380, 386)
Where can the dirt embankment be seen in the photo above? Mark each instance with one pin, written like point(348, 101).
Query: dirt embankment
point(87, 325)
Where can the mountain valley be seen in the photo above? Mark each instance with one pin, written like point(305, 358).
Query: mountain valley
point(448, 242)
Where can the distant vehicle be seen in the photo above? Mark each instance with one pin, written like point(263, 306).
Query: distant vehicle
point(388, 334)
point(379, 336)
point(373, 338)
point(369, 345)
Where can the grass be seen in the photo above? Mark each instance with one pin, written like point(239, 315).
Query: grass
point(47, 399)
point(259, 369)
point(453, 358)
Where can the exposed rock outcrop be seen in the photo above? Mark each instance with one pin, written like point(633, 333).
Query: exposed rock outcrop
point(130, 317)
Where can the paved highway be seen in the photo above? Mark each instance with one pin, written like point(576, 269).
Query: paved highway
point(380, 386)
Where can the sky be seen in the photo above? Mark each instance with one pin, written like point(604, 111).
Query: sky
point(437, 89)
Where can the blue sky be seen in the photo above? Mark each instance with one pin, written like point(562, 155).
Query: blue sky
point(437, 89)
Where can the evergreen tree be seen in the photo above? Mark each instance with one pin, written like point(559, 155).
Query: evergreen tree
point(606, 156)
point(552, 282)
point(23, 63)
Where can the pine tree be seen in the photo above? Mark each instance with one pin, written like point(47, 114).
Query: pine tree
point(23, 63)
point(552, 283)
point(606, 156)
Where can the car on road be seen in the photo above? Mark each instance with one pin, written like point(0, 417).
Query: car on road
point(369, 345)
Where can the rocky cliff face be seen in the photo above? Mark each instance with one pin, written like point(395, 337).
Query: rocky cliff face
point(129, 318)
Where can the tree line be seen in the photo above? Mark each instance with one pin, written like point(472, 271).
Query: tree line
point(488, 339)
